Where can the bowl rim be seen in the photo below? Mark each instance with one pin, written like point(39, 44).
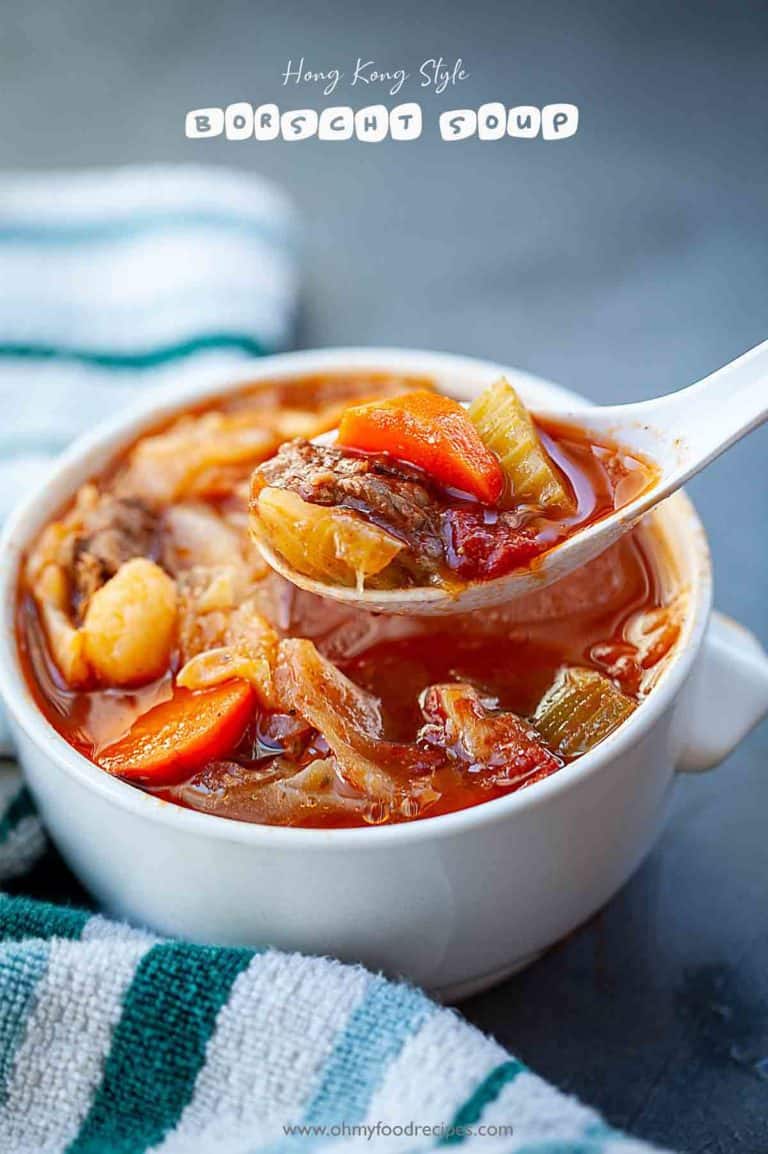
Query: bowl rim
point(199, 383)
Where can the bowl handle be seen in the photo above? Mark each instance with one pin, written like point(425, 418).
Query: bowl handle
point(729, 694)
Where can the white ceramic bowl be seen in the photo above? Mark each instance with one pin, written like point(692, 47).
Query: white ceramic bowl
point(454, 902)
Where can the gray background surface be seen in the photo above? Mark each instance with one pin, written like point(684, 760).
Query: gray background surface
point(624, 263)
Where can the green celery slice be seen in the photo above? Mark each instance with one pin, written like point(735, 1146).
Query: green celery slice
point(580, 709)
point(506, 428)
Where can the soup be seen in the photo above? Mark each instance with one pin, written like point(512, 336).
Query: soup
point(160, 646)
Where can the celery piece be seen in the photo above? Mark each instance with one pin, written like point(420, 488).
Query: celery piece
point(580, 709)
point(506, 428)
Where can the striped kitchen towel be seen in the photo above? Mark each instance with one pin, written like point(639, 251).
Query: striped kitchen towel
point(115, 282)
point(111, 1040)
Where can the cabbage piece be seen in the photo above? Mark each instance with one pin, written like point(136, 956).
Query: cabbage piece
point(224, 663)
point(472, 730)
point(580, 709)
point(280, 795)
point(196, 535)
point(198, 456)
point(349, 719)
point(221, 636)
point(654, 632)
point(50, 589)
point(506, 428)
point(208, 596)
point(323, 542)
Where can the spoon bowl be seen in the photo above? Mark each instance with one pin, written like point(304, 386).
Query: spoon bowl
point(679, 434)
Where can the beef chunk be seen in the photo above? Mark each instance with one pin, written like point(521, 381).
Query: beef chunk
point(439, 532)
point(117, 530)
point(318, 473)
point(391, 494)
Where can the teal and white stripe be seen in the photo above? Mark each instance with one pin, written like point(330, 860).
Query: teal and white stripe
point(428, 1077)
point(277, 998)
point(113, 1042)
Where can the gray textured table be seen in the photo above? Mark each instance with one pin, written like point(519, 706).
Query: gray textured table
point(626, 262)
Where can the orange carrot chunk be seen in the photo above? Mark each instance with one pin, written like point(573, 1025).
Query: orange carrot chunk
point(179, 736)
point(430, 431)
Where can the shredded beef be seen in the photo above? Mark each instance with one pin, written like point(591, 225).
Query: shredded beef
point(118, 530)
point(388, 493)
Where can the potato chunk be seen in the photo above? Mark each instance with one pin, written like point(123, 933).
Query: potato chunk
point(130, 624)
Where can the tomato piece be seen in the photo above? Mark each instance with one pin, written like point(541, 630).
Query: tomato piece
point(479, 551)
point(179, 736)
point(430, 431)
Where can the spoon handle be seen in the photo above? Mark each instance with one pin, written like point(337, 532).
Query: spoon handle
point(717, 411)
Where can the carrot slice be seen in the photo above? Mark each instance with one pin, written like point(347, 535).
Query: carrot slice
point(179, 736)
point(430, 431)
